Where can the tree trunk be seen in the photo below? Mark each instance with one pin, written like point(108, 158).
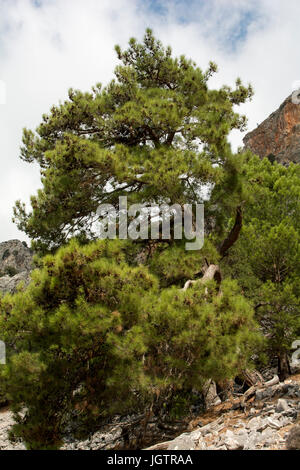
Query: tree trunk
point(248, 379)
point(284, 370)
point(251, 378)
point(234, 233)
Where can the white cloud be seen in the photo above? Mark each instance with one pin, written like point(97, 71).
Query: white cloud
point(69, 43)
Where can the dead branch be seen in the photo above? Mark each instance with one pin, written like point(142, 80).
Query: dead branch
point(212, 273)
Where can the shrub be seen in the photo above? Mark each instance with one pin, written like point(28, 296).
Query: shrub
point(94, 335)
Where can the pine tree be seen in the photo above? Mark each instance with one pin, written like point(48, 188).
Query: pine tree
point(155, 133)
point(96, 332)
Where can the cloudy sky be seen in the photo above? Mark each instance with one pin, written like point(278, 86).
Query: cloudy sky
point(48, 46)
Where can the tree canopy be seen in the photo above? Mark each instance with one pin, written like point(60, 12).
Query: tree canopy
point(265, 259)
point(155, 133)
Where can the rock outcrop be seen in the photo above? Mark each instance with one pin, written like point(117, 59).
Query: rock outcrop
point(15, 254)
point(263, 419)
point(10, 284)
point(293, 440)
point(15, 265)
point(278, 137)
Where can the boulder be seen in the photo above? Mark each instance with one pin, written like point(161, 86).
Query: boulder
point(211, 397)
point(15, 256)
point(293, 439)
point(188, 441)
point(10, 284)
point(282, 405)
point(16, 261)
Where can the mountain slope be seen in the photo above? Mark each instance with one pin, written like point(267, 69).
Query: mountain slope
point(278, 137)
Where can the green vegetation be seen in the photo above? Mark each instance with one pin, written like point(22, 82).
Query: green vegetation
point(265, 259)
point(106, 327)
point(156, 133)
point(94, 334)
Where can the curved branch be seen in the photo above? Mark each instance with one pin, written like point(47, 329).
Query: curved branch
point(234, 233)
point(213, 271)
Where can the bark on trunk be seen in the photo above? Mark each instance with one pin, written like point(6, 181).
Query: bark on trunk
point(234, 233)
point(251, 378)
point(284, 370)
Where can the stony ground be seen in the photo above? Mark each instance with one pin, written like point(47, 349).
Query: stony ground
point(264, 418)
point(6, 420)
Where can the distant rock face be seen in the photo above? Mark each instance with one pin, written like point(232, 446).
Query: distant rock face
point(293, 440)
point(278, 137)
point(15, 254)
point(15, 265)
point(10, 284)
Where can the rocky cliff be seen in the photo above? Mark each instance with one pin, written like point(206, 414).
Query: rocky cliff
point(15, 264)
point(278, 137)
